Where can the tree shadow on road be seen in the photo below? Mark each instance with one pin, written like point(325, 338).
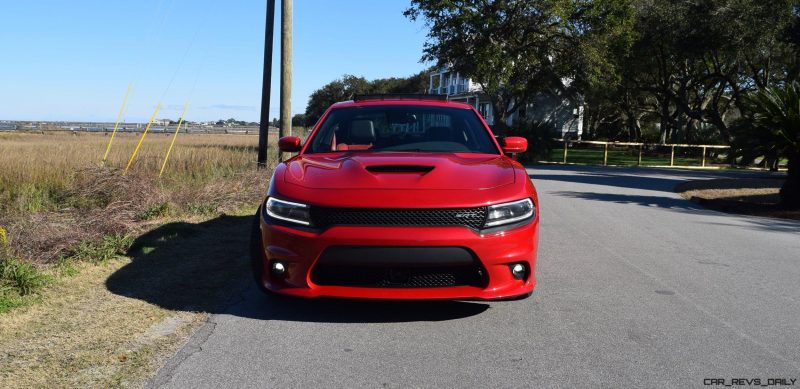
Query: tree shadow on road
point(648, 201)
point(765, 224)
point(205, 267)
point(654, 179)
point(611, 180)
point(683, 205)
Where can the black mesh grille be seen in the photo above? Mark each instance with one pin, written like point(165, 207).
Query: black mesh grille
point(382, 277)
point(473, 218)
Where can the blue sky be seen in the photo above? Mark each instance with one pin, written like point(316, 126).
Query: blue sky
point(73, 60)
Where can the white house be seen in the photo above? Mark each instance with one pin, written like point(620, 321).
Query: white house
point(563, 113)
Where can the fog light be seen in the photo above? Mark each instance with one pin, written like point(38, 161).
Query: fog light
point(278, 268)
point(519, 271)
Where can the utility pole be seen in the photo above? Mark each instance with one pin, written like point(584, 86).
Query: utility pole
point(286, 71)
point(266, 85)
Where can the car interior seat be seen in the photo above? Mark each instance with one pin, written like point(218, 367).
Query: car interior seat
point(360, 137)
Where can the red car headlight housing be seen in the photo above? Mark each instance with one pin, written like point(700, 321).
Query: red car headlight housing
point(289, 211)
point(507, 213)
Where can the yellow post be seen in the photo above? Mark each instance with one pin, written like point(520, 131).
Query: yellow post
point(704, 156)
point(174, 136)
point(144, 134)
point(672, 157)
point(116, 125)
point(565, 151)
point(605, 154)
point(640, 154)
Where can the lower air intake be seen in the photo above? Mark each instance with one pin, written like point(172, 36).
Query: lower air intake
point(381, 277)
point(398, 267)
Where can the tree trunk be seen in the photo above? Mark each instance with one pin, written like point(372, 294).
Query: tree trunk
point(665, 121)
point(499, 116)
point(790, 191)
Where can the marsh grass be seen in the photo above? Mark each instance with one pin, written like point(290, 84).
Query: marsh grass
point(57, 199)
point(38, 171)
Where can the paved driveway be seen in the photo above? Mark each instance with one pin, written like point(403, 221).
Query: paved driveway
point(637, 288)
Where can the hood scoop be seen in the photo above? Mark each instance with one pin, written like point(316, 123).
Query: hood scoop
point(399, 169)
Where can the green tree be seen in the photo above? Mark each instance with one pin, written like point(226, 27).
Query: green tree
point(506, 46)
point(774, 130)
point(727, 48)
point(338, 90)
point(516, 49)
point(691, 65)
point(348, 86)
point(417, 83)
point(299, 120)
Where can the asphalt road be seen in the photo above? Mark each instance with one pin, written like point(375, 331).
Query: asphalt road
point(636, 288)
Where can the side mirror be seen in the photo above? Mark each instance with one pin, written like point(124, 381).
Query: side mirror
point(514, 144)
point(289, 144)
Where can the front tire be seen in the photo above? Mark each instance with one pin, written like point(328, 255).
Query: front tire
point(257, 253)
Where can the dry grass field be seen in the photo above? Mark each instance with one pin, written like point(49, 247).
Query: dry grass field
point(37, 170)
point(93, 263)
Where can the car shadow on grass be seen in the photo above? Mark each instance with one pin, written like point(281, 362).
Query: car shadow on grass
point(205, 267)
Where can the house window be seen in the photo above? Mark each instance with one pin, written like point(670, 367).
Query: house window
point(485, 109)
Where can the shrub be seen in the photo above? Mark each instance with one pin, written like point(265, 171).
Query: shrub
point(17, 278)
point(202, 209)
point(539, 135)
point(155, 211)
point(20, 276)
point(107, 248)
point(773, 131)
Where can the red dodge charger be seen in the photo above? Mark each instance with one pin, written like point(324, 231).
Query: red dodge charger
point(398, 197)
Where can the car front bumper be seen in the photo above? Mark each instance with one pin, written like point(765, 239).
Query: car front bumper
point(300, 250)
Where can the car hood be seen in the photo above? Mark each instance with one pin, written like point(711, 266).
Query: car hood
point(399, 170)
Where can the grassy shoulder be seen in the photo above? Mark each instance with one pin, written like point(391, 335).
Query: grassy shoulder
point(102, 274)
point(747, 196)
point(113, 322)
point(64, 206)
point(21, 281)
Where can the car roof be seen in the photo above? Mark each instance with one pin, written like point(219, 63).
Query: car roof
point(391, 100)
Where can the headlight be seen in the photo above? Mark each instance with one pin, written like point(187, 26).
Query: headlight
point(289, 211)
point(510, 212)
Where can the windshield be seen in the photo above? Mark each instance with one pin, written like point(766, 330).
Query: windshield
point(402, 128)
